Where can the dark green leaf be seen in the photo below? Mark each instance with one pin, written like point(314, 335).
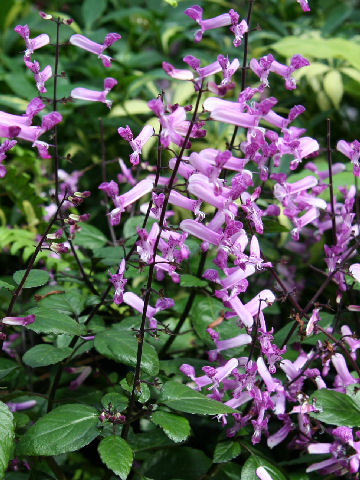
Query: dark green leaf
point(117, 455)
point(253, 462)
point(226, 451)
point(204, 311)
point(133, 222)
point(71, 302)
point(43, 355)
point(176, 428)
point(273, 226)
point(118, 401)
point(6, 367)
point(36, 278)
point(7, 435)
point(122, 347)
point(110, 255)
point(50, 321)
point(66, 429)
point(180, 397)
point(191, 281)
point(335, 408)
point(90, 237)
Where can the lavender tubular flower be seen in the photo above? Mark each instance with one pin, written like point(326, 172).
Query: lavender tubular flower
point(93, 47)
point(195, 12)
point(136, 143)
point(32, 44)
point(352, 151)
point(88, 95)
point(19, 406)
point(23, 321)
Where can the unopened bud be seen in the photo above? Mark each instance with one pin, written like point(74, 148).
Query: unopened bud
point(59, 248)
point(45, 16)
point(75, 218)
point(68, 21)
point(82, 194)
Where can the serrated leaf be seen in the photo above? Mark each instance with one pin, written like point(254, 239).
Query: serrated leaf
point(43, 355)
point(50, 321)
point(191, 281)
point(7, 435)
point(333, 86)
point(335, 408)
point(36, 278)
point(117, 455)
point(65, 429)
point(226, 451)
point(92, 10)
point(180, 397)
point(248, 471)
point(122, 347)
point(90, 237)
point(176, 428)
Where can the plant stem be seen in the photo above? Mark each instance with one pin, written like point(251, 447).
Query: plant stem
point(332, 203)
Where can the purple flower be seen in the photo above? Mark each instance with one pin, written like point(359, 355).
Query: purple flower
point(263, 474)
point(137, 143)
point(352, 151)
point(304, 5)
point(19, 406)
point(93, 47)
point(87, 95)
point(4, 148)
point(119, 283)
point(195, 12)
point(19, 320)
point(31, 43)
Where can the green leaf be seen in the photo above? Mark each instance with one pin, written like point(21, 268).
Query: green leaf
point(191, 281)
point(92, 10)
point(180, 397)
point(133, 222)
point(43, 355)
point(50, 321)
point(204, 311)
point(6, 285)
point(117, 455)
point(70, 302)
point(65, 429)
point(333, 86)
point(7, 435)
point(90, 237)
point(6, 367)
point(118, 401)
point(226, 451)
point(336, 17)
point(176, 428)
point(253, 462)
point(110, 255)
point(273, 226)
point(335, 408)
point(129, 108)
point(36, 278)
point(122, 347)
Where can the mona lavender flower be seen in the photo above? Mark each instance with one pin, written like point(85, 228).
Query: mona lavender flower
point(87, 95)
point(136, 143)
point(93, 47)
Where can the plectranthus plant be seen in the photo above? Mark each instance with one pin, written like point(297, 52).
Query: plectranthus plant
point(183, 332)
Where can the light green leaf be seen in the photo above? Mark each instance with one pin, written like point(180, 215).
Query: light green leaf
point(333, 86)
point(173, 3)
point(90, 237)
point(352, 73)
point(92, 10)
point(180, 397)
point(176, 428)
point(226, 451)
point(6, 285)
point(51, 321)
point(312, 70)
point(43, 355)
point(36, 278)
point(253, 462)
point(122, 347)
point(130, 107)
point(65, 429)
point(7, 435)
point(117, 455)
point(191, 281)
point(335, 408)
